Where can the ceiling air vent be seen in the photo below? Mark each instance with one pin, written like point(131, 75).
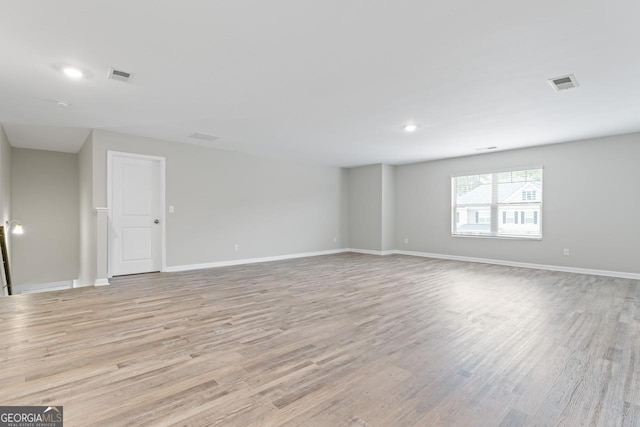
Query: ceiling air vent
point(203, 136)
point(120, 75)
point(564, 82)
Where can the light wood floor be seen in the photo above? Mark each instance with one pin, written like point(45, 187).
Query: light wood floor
point(341, 340)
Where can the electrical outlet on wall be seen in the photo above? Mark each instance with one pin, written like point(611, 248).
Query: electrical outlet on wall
point(171, 209)
point(406, 240)
point(236, 247)
point(335, 239)
point(565, 252)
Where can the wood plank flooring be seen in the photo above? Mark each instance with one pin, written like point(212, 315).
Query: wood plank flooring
point(340, 340)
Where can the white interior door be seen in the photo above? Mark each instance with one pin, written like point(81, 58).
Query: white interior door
point(136, 214)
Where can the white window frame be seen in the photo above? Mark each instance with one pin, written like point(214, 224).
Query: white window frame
point(496, 219)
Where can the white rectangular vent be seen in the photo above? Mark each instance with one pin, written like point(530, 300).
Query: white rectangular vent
point(204, 136)
point(119, 75)
point(564, 82)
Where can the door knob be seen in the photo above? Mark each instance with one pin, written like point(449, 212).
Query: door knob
point(156, 221)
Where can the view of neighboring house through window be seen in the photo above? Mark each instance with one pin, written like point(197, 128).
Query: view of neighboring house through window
point(498, 204)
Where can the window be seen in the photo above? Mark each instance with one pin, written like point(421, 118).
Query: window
point(498, 204)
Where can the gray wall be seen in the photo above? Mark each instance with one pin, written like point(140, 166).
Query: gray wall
point(5, 177)
point(591, 203)
point(344, 215)
point(268, 207)
point(388, 208)
point(365, 208)
point(87, 215)
point(271, 207)
point(5, 192)
point(45, 199)
point(372, 207)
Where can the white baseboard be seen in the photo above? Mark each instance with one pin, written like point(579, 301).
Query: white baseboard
point(370, 252)
point(42, 287)
point(620, 274)
point(176, 268)
point(79, 284)
point(101, 282)
point(37, 291)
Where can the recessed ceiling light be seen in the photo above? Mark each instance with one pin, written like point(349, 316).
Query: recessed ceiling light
point(63, 104)
point(73, 72)
point(410, 128)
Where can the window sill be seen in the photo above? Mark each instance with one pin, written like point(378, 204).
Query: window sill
point(479, 236)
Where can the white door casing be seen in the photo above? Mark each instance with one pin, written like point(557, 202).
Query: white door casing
point(136, 202)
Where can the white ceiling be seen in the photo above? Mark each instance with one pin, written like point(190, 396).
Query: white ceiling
point(329, 81)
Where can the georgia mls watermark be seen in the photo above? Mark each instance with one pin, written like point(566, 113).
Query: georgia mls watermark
point(30, 416)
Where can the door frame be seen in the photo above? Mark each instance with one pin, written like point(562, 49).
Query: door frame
point(163, 230)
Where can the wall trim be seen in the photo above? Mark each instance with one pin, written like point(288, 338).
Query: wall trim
point(40, 290)
point(593, 272)
point(369, 252)
point(101, 282)
point(33, 288)
point(589, 271)
point(187, 267)
point(79, 284)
